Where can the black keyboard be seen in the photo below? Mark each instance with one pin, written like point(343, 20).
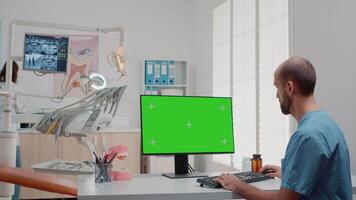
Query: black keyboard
point(247, 177)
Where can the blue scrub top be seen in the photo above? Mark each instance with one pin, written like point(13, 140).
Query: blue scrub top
point(317, 161)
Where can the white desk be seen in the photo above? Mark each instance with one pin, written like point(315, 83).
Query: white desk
point(157, 187)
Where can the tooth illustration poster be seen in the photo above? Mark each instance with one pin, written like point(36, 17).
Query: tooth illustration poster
point(82, 59)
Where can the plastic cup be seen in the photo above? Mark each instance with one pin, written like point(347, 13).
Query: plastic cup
point(103, 173)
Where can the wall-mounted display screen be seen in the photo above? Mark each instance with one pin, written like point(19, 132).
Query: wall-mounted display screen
point(45, 53)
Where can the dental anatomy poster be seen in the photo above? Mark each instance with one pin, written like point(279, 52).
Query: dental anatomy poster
point(82, 60)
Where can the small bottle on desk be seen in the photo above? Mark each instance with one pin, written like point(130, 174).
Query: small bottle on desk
point(246, 164)
point(256, 162)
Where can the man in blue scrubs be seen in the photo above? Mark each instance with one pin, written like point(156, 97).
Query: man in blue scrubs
point(317, 162)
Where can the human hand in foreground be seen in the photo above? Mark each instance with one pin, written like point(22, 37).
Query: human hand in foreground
point(228, 181)
point(271, 170)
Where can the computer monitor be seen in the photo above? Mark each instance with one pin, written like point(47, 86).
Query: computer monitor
point(182, 125)
point(45, 53)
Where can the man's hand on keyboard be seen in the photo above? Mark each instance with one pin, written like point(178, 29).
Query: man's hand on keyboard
point(271, 170)
point(229, 181)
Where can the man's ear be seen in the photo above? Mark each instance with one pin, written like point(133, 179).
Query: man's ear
point(290, 88)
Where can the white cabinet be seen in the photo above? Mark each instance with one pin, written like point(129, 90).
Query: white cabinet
point(165, 77)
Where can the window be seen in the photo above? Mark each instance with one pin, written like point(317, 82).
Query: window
point(221, 50)
point(248, 44)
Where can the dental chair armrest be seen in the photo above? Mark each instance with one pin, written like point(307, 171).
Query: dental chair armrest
point(40, 181)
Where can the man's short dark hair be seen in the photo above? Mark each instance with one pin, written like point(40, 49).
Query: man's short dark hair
point(300, 71)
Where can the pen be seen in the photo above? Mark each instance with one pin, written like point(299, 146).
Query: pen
point(112, 158)
point(97, 160)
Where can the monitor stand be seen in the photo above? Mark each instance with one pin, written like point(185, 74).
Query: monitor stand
point(181, 169)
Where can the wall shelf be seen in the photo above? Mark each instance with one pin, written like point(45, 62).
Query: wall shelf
point(165, 77)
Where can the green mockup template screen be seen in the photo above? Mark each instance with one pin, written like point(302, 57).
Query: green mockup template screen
point(186, 125)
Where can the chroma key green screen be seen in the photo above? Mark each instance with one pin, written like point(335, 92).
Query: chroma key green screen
point(186, 125)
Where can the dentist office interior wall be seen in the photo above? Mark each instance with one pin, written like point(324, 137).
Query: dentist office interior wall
point(190, 40)
point(148, 25)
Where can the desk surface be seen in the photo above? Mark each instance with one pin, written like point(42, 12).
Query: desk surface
point(157, 187)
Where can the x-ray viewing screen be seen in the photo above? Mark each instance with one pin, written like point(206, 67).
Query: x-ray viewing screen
point(186, 125)
point(45, 53)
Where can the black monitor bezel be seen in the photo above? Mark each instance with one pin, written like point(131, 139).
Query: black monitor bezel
point(186, 153)
point(41, 70)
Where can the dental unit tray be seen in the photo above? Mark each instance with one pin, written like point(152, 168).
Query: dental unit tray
point(65, 167)
point(84, 116)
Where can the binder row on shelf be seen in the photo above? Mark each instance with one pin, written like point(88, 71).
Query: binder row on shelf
point(159, 72)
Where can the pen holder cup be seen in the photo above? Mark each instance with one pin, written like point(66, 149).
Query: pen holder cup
point(103, 172)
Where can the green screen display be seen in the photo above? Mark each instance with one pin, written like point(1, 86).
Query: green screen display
point(186, 125)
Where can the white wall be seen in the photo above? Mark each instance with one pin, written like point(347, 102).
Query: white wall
point(203, 43)
point(155, 29)
point(325, 33)
point(203, 62)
